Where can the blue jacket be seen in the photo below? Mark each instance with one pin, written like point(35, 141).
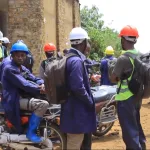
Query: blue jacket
point(13, 82)
point(78, 112)
point(104, 70)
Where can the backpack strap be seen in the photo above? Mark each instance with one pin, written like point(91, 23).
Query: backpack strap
point(118, 90)
point(129, 55)
point(133, 56)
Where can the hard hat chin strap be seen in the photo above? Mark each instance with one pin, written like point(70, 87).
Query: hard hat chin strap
point(131, 39)
point(76, 42)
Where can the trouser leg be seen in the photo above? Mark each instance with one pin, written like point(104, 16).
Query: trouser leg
point(142, 137)
point(127, 117)
point(87, 142)
point(74, 141)
point(39, 107)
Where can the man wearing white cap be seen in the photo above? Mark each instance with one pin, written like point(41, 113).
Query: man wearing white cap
point(5, 44)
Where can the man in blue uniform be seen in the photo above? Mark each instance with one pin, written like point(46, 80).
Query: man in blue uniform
point(14, 82)
point(78, 112)
point(104, 66)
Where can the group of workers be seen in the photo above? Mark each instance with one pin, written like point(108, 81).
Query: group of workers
point(78, 117)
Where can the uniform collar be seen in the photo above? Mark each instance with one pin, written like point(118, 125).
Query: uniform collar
point(82, 56)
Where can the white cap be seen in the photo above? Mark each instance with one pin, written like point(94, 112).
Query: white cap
point(1, 35)
point(5, 40)
point(78, 34)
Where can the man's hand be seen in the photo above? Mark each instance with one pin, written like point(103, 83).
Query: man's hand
point(42, 89)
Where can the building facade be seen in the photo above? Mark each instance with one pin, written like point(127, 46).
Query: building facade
point(38, 22)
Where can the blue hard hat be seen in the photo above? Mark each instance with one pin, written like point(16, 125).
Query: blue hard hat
point(19, 46)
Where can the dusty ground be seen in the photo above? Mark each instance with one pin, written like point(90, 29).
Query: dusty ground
point(113, 139)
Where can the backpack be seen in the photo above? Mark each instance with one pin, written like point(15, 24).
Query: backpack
point(139, 84)
point(55, 80)
point(111, 65)
point(45, 62)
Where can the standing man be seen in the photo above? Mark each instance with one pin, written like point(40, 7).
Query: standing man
point(128, 105)
point(78, 112)
point(49, 50)
point(5, 44)
point(104, 66)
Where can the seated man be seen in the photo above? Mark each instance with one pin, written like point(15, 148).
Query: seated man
point(13, 81)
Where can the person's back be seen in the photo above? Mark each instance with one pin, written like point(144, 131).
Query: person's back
point(104, 66)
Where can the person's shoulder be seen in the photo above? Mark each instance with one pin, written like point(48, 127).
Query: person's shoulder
point(123, 58)
point(10, 68)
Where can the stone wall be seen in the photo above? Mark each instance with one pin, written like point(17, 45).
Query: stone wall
point(25, 21)
point(67, 17)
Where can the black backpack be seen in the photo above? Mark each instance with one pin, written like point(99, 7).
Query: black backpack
point(139, 84)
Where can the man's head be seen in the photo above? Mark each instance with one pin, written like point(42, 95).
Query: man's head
point(5, 41)
point(79, 39)
point(19, 52)
point(109, 51)
point(49, 50)
point(129, 37)
point(65, 51)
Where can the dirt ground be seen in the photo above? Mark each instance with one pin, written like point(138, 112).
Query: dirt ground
point(113, 140)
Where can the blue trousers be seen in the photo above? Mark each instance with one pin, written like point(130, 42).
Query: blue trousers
point(129, 118)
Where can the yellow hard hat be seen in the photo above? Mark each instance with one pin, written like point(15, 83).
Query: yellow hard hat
point(109, 50)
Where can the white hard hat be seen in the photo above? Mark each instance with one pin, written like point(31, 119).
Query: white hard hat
point(78, 34)
point(1, 35)
point(5, 40)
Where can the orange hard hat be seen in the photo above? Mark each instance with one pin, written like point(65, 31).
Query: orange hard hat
point(129, 31)
point(49, 47)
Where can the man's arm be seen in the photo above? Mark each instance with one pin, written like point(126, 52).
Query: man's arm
point(117, 71)
point(33, 78)
point(19, 81)
point(76, 82)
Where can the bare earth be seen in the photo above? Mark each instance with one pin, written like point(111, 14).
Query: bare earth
point(113, 140)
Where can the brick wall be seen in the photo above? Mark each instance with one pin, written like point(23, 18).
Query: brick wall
point(25, 21)
point(39, 21)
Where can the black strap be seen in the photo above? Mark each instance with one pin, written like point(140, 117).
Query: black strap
point(28, 103)
point(118, 90)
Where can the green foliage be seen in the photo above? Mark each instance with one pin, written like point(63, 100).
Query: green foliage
point(101, 36)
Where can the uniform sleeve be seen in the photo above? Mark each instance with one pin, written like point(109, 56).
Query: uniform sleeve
point(33, 78)
point(76, 82)
point(20, 82)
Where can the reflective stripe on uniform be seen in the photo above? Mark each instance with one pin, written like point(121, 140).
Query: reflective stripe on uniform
point(124, 92)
